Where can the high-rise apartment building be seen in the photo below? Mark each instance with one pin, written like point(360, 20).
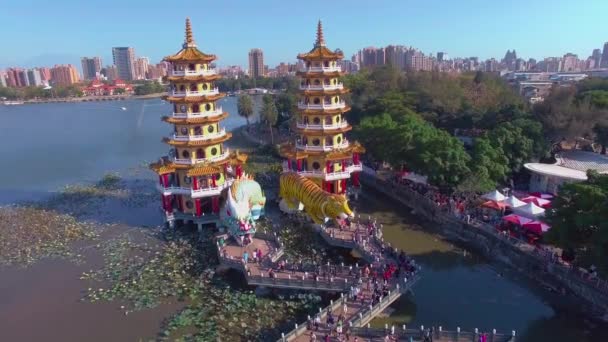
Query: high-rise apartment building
point(604, 61)
point(64, 75)
point(256, 63)
point(45, 74)
point(395, 56)
point(596, 57)
point(3, 82)
point(142, 65)
point(34, 77)
point(442, 56)
point(417, 61)
point(17, 78)
point(124, 60)
point(90, 67)
point(111, 72)
point(570, 63)
point(156, 71)
point(349, 67)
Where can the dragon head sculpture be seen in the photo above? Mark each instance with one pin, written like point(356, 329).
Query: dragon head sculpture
point(244, 205)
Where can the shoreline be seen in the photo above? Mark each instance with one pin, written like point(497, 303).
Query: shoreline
point(95, 98)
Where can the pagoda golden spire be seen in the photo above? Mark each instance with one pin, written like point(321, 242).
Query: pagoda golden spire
point(189, 38)
point(320, 39)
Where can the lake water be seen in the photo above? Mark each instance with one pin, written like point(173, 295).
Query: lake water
point(48, 146)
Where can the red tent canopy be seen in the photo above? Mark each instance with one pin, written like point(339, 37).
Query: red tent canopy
point(494, 205)
point(516, 219)
point(541, 202)
point(536, 227)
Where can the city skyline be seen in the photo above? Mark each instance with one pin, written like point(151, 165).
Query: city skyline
point(486, 32)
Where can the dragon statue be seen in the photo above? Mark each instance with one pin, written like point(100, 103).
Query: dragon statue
point(243, 206)
point(298, 192)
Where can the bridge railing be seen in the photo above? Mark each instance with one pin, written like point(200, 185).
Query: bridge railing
point(364, 316)
point(299, 282)
point(301, 328)
point(418, 334)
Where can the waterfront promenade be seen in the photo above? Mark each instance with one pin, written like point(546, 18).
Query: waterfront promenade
point(537, 263)
point(93, 98)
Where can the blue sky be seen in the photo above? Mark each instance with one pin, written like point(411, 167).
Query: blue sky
point(43, 32)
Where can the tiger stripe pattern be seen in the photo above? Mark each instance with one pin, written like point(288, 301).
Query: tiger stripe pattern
point(318, 204)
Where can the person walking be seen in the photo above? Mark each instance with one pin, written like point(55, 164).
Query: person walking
point(245, 257)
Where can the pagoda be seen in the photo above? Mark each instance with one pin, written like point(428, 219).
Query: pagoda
point(321, 151)
point(198, 168)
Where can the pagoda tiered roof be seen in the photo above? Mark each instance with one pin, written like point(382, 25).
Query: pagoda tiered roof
point(194, 99)
point(325, 130)
point(320, 51)
point(289, 150)
point(197, 143)
point(189, 52)
point(195, 120)
point(325, 111)
point(321, 92)
point(312, 74)
point(165, 165)
point(193, 78)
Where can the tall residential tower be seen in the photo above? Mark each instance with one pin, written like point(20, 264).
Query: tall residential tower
point(90, 67)
point(256, 63)
point(124, 60)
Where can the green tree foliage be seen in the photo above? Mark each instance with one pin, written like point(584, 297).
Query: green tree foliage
point(149, 87)
point(422, 147)
point(244, 107)
point(572, 112)
point(489, 165)
point(579, 219)
point(269, 114)
point(449, 101)
point(287, 104)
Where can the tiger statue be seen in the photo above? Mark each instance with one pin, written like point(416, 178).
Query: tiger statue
point(297, 191)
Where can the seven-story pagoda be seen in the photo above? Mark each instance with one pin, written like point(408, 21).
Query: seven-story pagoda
point(321, 151)
point(198, 168)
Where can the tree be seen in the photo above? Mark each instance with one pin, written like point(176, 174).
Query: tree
point(269, 114)
point(422, 147)
point(489, 165)
point(516, 146)
point(579, 219)
point(245, 107)
point(601, 135)
point(286, 104)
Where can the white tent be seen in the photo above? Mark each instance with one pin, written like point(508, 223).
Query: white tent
point(530, 210)
point(513, 202)
point(495, 196)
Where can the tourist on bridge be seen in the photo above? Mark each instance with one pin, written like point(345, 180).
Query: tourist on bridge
point(245, 257)
point(317, 322)
point(259, 255)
